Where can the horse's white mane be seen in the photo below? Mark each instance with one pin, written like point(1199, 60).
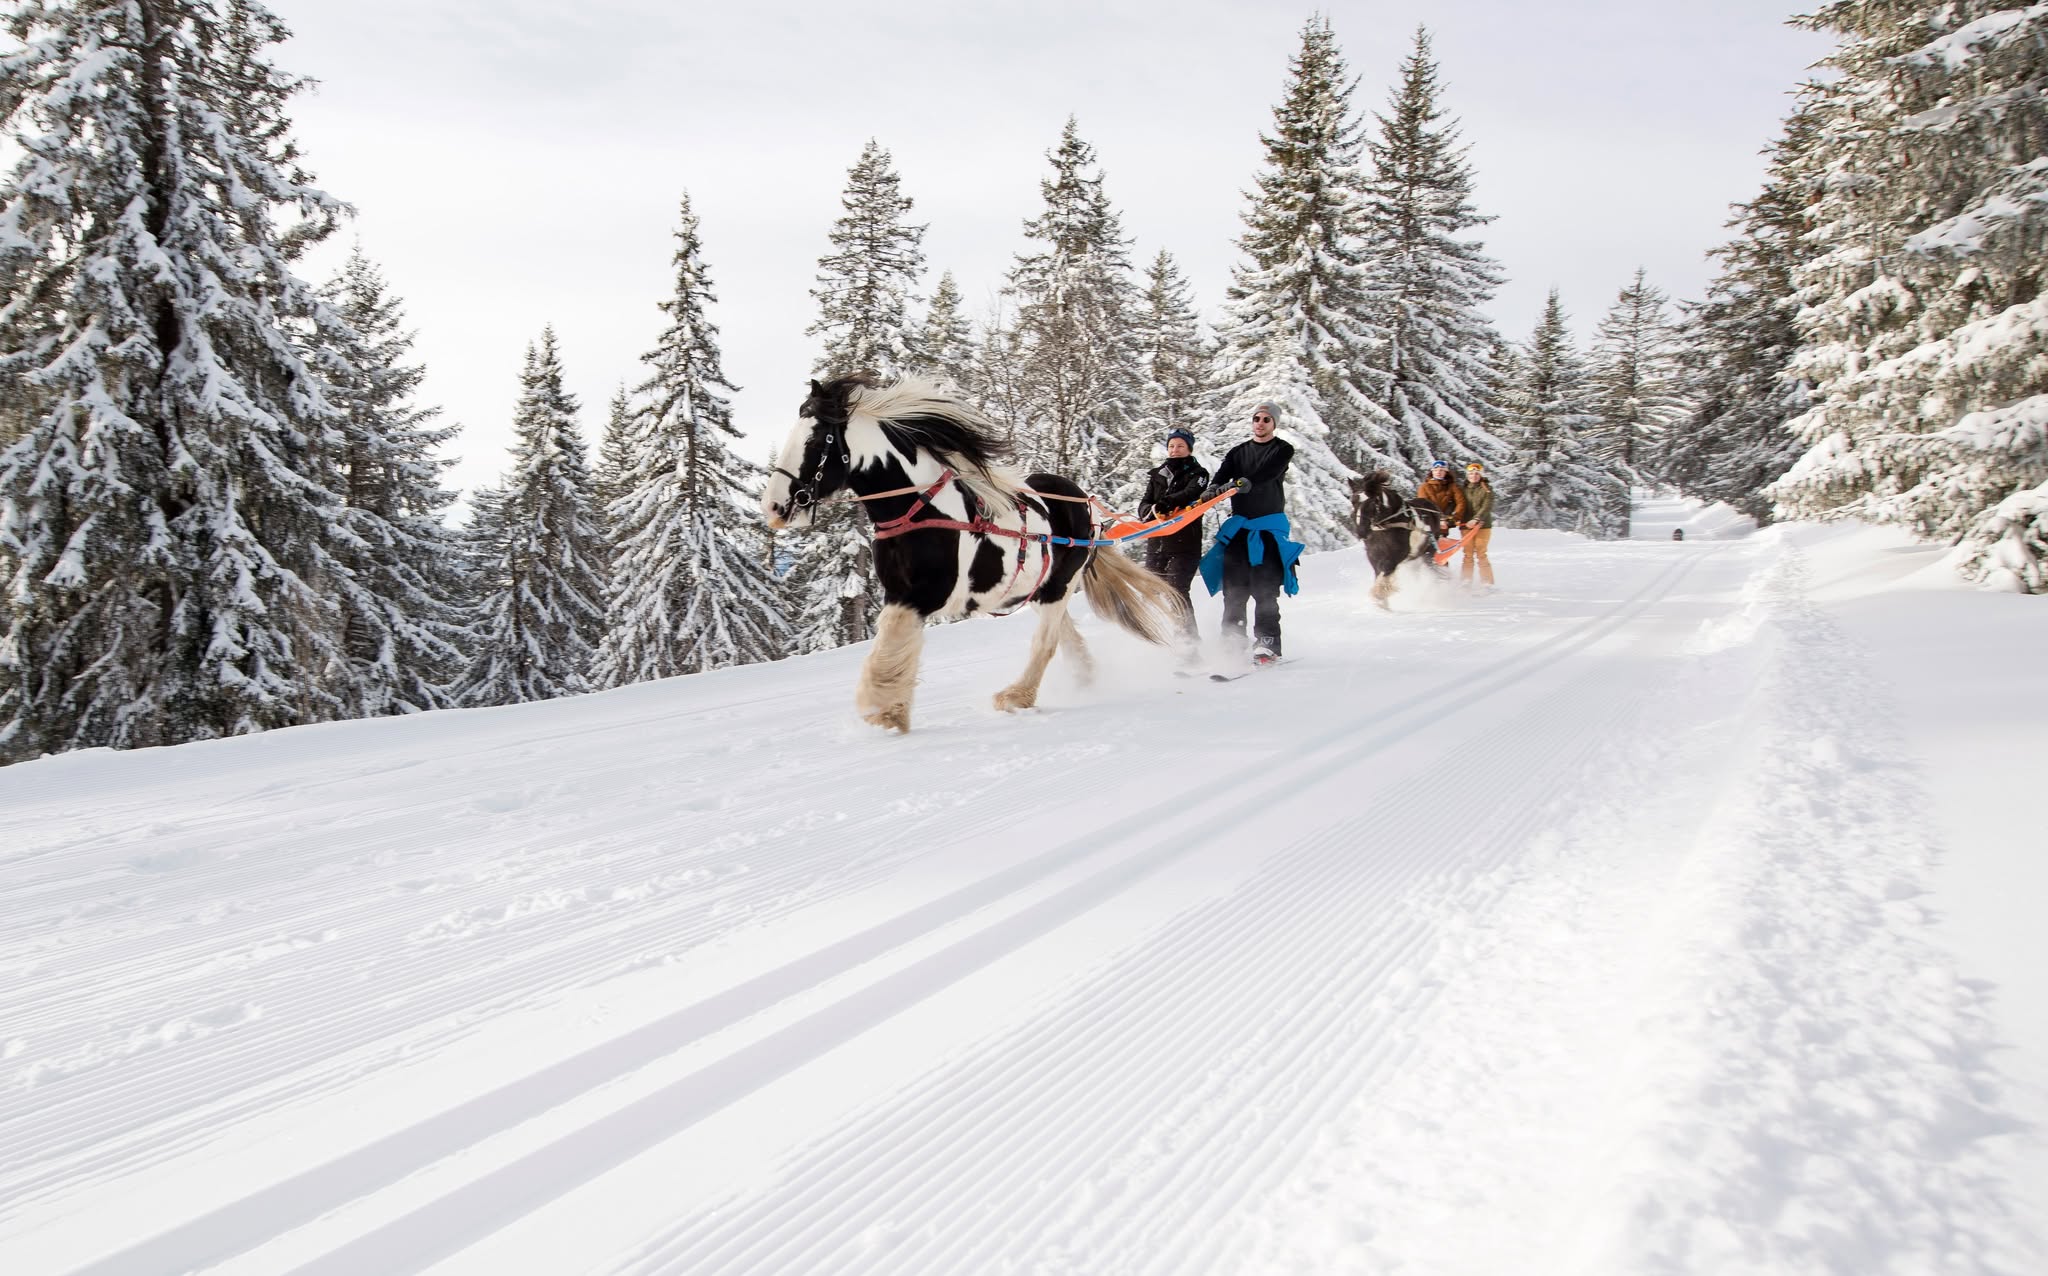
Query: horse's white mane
point(910, 396)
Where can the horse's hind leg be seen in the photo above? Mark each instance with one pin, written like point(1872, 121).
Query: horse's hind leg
point(1045, 640)
point(1383, 589)
point(1075, 648)
point(890, 673)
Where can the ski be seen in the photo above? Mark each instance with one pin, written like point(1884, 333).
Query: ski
point(1242, 673)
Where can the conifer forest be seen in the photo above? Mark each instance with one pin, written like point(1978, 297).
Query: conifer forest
point(224, 507)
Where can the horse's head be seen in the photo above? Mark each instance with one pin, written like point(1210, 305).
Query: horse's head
point(815, 459)
point(1372, 499)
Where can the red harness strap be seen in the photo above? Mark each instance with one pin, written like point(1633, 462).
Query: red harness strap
point(898, 526)
point(1044, 565)
point(980, 525)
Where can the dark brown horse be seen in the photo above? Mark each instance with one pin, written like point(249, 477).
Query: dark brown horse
point(1394, 530)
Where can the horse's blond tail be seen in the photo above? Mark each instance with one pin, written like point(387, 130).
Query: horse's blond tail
point(1120, 590)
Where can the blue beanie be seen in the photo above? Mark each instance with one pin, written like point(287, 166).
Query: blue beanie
point(1181, 432)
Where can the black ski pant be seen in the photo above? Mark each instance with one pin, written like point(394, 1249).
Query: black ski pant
point(1174, 560)
point(1243, 583)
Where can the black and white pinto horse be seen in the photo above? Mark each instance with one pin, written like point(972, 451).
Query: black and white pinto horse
point(956, 532)
point(1394, 530)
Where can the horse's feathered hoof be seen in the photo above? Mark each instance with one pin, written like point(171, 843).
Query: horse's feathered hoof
point(895, 717)
point(1011, 699)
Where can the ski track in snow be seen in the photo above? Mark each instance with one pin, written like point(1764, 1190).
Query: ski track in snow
point(1586, 911)
point(1834, 1113)
point(1210, 1029)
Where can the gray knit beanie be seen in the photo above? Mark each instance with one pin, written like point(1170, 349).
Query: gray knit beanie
point(1270, 409)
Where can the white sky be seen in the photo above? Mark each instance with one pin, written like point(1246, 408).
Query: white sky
point(516, 163)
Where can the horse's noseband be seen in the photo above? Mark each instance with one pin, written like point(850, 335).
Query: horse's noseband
point(803, 495)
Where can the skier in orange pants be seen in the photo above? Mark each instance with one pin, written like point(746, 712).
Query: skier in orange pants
point(1478, 524)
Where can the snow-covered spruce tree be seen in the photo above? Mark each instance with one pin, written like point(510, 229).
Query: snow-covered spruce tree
point(999, 371)
point(1318, 484)
point(541, 604)
point(1736, 351)
point(482, 549)
point(16, 413)
point(1078, 364)
point(1175, 361)
point(2008, 547)
point(608, 482)
point(1555, 478)
point(1925, 319)
point(1430, 282)
point(1173, 354)
point(1296, 327)
point(831, 586)
point(1637, 387)
point(945, 345)
point(865, 286)
point(167, 511)
point(692, 586)
point(614, 455)
point(401, 587)
point(868, 279)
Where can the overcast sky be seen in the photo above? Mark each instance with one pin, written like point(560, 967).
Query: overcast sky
point(516, 163)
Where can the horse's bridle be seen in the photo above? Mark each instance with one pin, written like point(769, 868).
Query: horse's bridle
point(1407, 521)
point(804, 495)
point(1386, 522)
point(800, 493)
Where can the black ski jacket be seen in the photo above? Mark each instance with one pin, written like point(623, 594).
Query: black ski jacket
point(1263, 466)
point(1175, 484)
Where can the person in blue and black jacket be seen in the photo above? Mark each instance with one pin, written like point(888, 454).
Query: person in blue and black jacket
point(1253, 559)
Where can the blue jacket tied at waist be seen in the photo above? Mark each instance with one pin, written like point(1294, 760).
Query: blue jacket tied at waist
point(1255, 548)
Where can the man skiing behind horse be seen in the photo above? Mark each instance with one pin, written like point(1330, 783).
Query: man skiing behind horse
point(1175, 484)
point(1252, 559)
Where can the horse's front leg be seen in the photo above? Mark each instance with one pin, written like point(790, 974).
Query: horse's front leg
point(1045, 640)
point(1075, 648)
point(889, 675)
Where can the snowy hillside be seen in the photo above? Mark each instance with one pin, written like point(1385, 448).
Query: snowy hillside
point(1674, 909)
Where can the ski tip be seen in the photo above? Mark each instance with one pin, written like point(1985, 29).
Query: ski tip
point(1249, 670)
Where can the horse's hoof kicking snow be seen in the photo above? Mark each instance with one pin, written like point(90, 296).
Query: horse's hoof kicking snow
point(895, 717)
point(1011, 699)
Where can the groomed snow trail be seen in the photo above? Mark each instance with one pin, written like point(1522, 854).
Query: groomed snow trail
point(1568, 928)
